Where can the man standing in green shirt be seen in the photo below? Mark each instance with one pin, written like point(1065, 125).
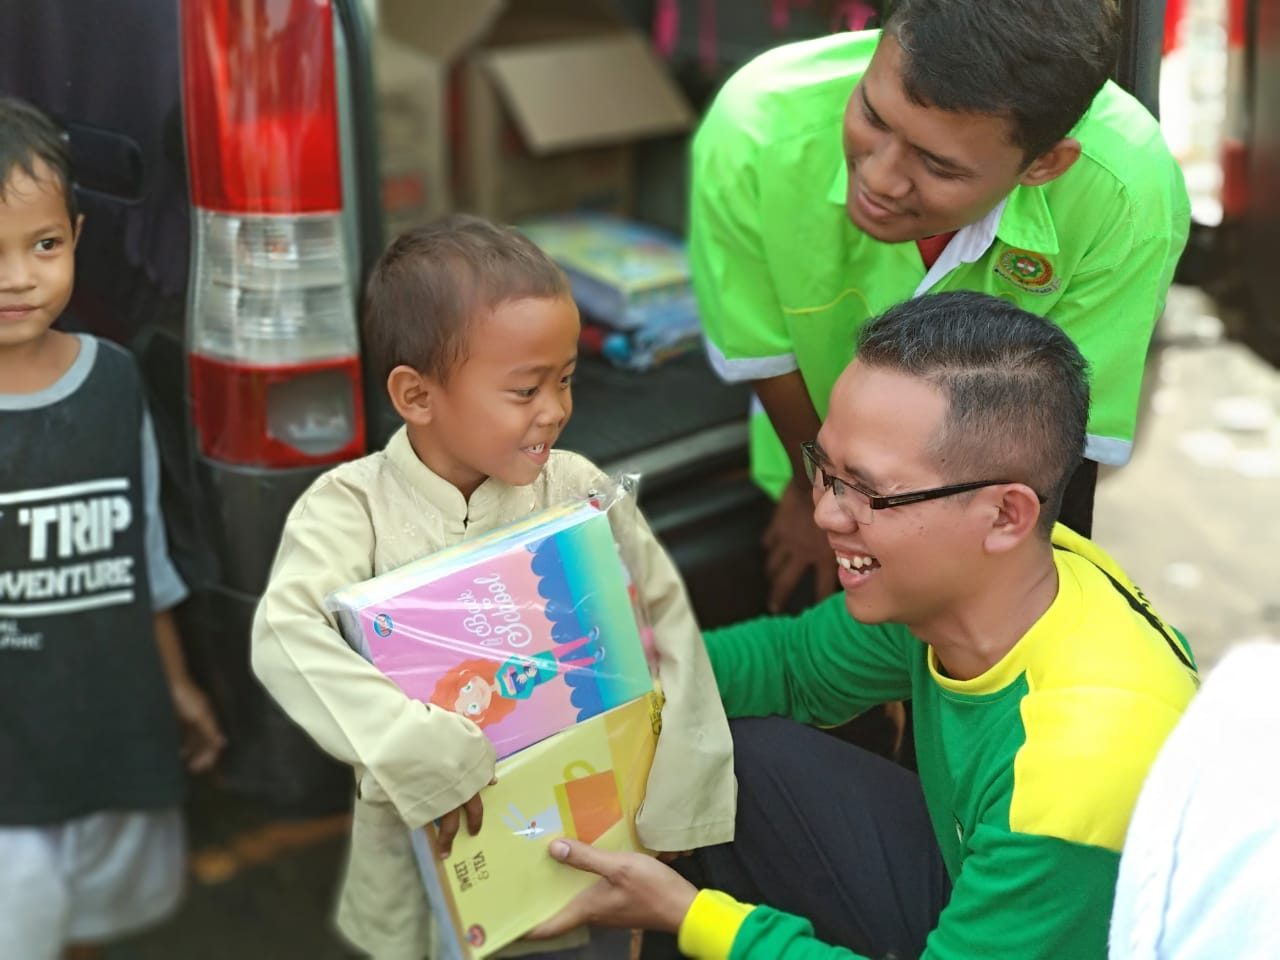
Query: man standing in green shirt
point(973, 145)
point(1043, 682)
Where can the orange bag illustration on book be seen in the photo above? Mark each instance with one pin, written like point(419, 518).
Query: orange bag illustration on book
point(589, 803)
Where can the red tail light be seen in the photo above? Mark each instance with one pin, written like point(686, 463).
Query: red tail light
point(273, 347)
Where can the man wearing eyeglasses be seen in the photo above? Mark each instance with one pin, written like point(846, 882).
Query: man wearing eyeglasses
point(1043, 682)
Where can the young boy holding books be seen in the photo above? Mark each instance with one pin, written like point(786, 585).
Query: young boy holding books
point(476, 332)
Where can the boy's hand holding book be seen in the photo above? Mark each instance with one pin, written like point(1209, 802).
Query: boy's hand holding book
point(448, 826)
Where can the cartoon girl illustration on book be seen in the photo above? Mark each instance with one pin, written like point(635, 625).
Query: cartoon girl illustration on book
point(486, 691)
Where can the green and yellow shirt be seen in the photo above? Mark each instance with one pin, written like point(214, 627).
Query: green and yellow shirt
point(1030, 772)
point(785, 280)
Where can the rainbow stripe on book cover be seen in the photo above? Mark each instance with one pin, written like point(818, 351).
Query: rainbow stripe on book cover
point(525, 631)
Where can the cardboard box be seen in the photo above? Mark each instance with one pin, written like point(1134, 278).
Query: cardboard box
point(543, 103)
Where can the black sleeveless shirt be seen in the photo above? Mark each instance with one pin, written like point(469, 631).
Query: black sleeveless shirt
point(86, 722)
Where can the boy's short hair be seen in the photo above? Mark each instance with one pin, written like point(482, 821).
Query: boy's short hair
point(1017, 387)
point(434, 281)
point(1038, 62)
point(28, 138)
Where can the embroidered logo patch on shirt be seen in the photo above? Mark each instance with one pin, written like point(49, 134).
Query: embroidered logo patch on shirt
point(1027, 270)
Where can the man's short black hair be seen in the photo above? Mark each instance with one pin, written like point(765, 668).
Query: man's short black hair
point(1017, 388)
point(29, 139)
point(1039, 63)
point(433, 282)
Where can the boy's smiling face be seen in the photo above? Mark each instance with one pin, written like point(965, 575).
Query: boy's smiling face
point(503, 407)
point(37, 255)
point(916, 171)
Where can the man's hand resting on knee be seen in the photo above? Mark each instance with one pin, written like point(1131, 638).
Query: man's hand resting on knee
point(634, 891)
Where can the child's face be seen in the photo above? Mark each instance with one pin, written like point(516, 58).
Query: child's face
point(504, 406)
point(37, 255)
point(916, 171)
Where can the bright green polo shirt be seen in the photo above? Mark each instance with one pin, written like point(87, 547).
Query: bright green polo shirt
point(785, 280)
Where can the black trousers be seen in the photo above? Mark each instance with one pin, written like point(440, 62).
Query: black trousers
point(830, 832)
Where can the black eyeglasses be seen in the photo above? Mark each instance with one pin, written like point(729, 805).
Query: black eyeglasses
point(861, 506)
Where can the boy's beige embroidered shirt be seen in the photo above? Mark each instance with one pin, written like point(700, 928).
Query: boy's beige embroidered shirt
point(414, 762)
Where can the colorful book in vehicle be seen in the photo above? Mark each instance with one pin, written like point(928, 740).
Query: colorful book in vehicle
point(626, 274)
point(525, 631)
point(586, 782)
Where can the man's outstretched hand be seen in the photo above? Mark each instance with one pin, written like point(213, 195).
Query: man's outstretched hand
point(634, 891)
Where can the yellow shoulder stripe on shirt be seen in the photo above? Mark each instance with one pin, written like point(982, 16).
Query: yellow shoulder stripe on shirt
point(1086, 755)
point(711, 925)
point(1067, 539)
point(1101, 698)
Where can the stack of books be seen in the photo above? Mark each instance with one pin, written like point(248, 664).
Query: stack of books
point(530, 632)
point(629, 277)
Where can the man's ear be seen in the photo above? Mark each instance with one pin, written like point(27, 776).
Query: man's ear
point(1017, 511)
point(411, 394)
point(1051, 164)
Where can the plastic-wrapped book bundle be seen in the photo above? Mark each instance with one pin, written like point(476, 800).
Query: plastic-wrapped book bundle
point(532, 632)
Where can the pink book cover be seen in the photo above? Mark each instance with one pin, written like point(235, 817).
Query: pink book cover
point(525, 633)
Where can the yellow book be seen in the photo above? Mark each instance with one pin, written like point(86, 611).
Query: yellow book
point(585, 782)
